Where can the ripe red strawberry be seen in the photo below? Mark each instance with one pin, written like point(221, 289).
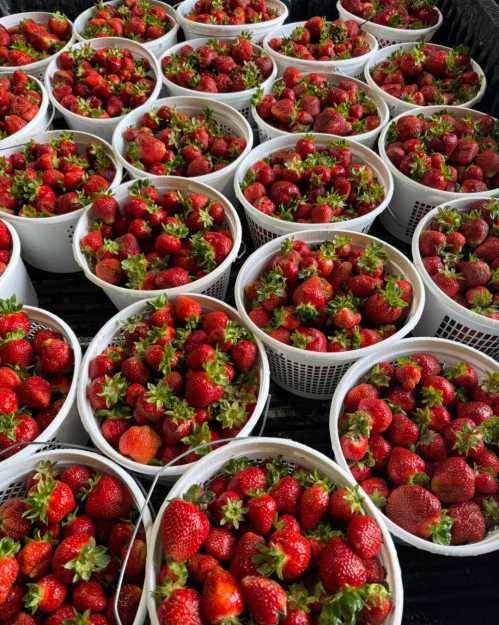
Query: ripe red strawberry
point(9, 567)
point(45, 595)
point(89, 596)
point(222, 597)
point(182, 606)
point(453, 481)
point(265, 598)
point(404, 466)
point(261, 512)
point(108, 499)
point(339, 566)
point(184, 529)
point(13, 521)
point(288, 554)
point(248, 548)
point(468, 523)
point(77, 558)
point(49, 500)
point(35, 558)
point(415, 509)
point(364, 535)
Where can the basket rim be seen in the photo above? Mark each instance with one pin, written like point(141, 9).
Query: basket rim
point(67, 216)
point(351, 377)
point(460, 205)
point(418, 186)
point(327, 358)
point(15, 255)
point(233, 222)
point(380, 55)
point(232, 28)
point(90, 423)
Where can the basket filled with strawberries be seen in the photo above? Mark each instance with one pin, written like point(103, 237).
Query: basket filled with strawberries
point(31, 40)
point(407, 75)
point(24, 108)
point(394, 21)
point(270, 531)
point(229, 70)
point(48, 181)
point(191, 137)
point(437, 154)
point(415, 427)
point(456, 251)
point(295, 182)
point(40, 357)
point(166, 375)
point(145, 239)
point(14, 279)
point(319, 45)
point(95, 83)
point(68, 518)
point(312, 102)
point(320, 301)
point(230, 18)
point(149, 22)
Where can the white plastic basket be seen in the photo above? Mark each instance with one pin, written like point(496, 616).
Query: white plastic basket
point(412, 200)
point(155, 46)
point(226, 117)
point(13, 484)
point(264, 228)
point(349, 67)
point(215, 283)
point(39, 123)
point(47, 241)
point(36, 69)
point(104, 127)
point(295, 454)
point(240, 100)
point(398, 106)
point(108, 334)
point(266, 131)
point(192, 29)
point(66, 426)
point(443, 317)
point(448, 352)
point(315, 374)
point(386, 35)
point(15, 279)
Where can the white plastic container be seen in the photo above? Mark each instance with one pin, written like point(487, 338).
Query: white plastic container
point(398, 106)
point(155, 46)
point(66, 426)
point(412, 200)
point(13, 484)
point(448, 352)
point(47, 241)
point(264, 228)
point(295, 454)
point(445, 318)
point(108, 334)
point(36, 69)
point(39, 123)
point(315, 374)
point(228, 118)
point(215, 283)
point(349, 67)
point(104, 127)
point(240, 100)
point(266, 131)
point(386, 35)
point(192, 29)
point(15, 279)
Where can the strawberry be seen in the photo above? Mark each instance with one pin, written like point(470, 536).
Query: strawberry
point(46, 595)
point(417, 511)
point(261, 512)
point(288, 554)
point(89, 596)
point(453, 481)
point(35, 558)
point(9, 567)
point(184, 529)
point(265, 598)
point(405, 467)
point(247, 549)
point(344, 503)
point(468, 524)
point(222, 597)
point(108, 499)
point(182, 606)
point(364, 535)
point(49, 500)
point(13, 522)
point(339, 566)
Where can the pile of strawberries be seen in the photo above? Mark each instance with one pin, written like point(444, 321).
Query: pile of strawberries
point(180, 377)
point(219, 66)
point(445, 152)
point(267, 543)
point(20, 99)
point(5, 247)
point(407, 14)
point(54, 178)
point(303, 102)
point(321, 40)
point(427, 74)
point(167, 142)
point(460, 251)
point(102, 83)
point(231, 12)
point(312, 184)
point(334, 296)
point(153, 240)
point(139, 20)
point(35, 376)
point(62, 547)
point(30, 41)
point(420, 435)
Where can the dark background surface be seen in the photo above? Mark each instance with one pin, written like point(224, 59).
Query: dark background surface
point(438, 591)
